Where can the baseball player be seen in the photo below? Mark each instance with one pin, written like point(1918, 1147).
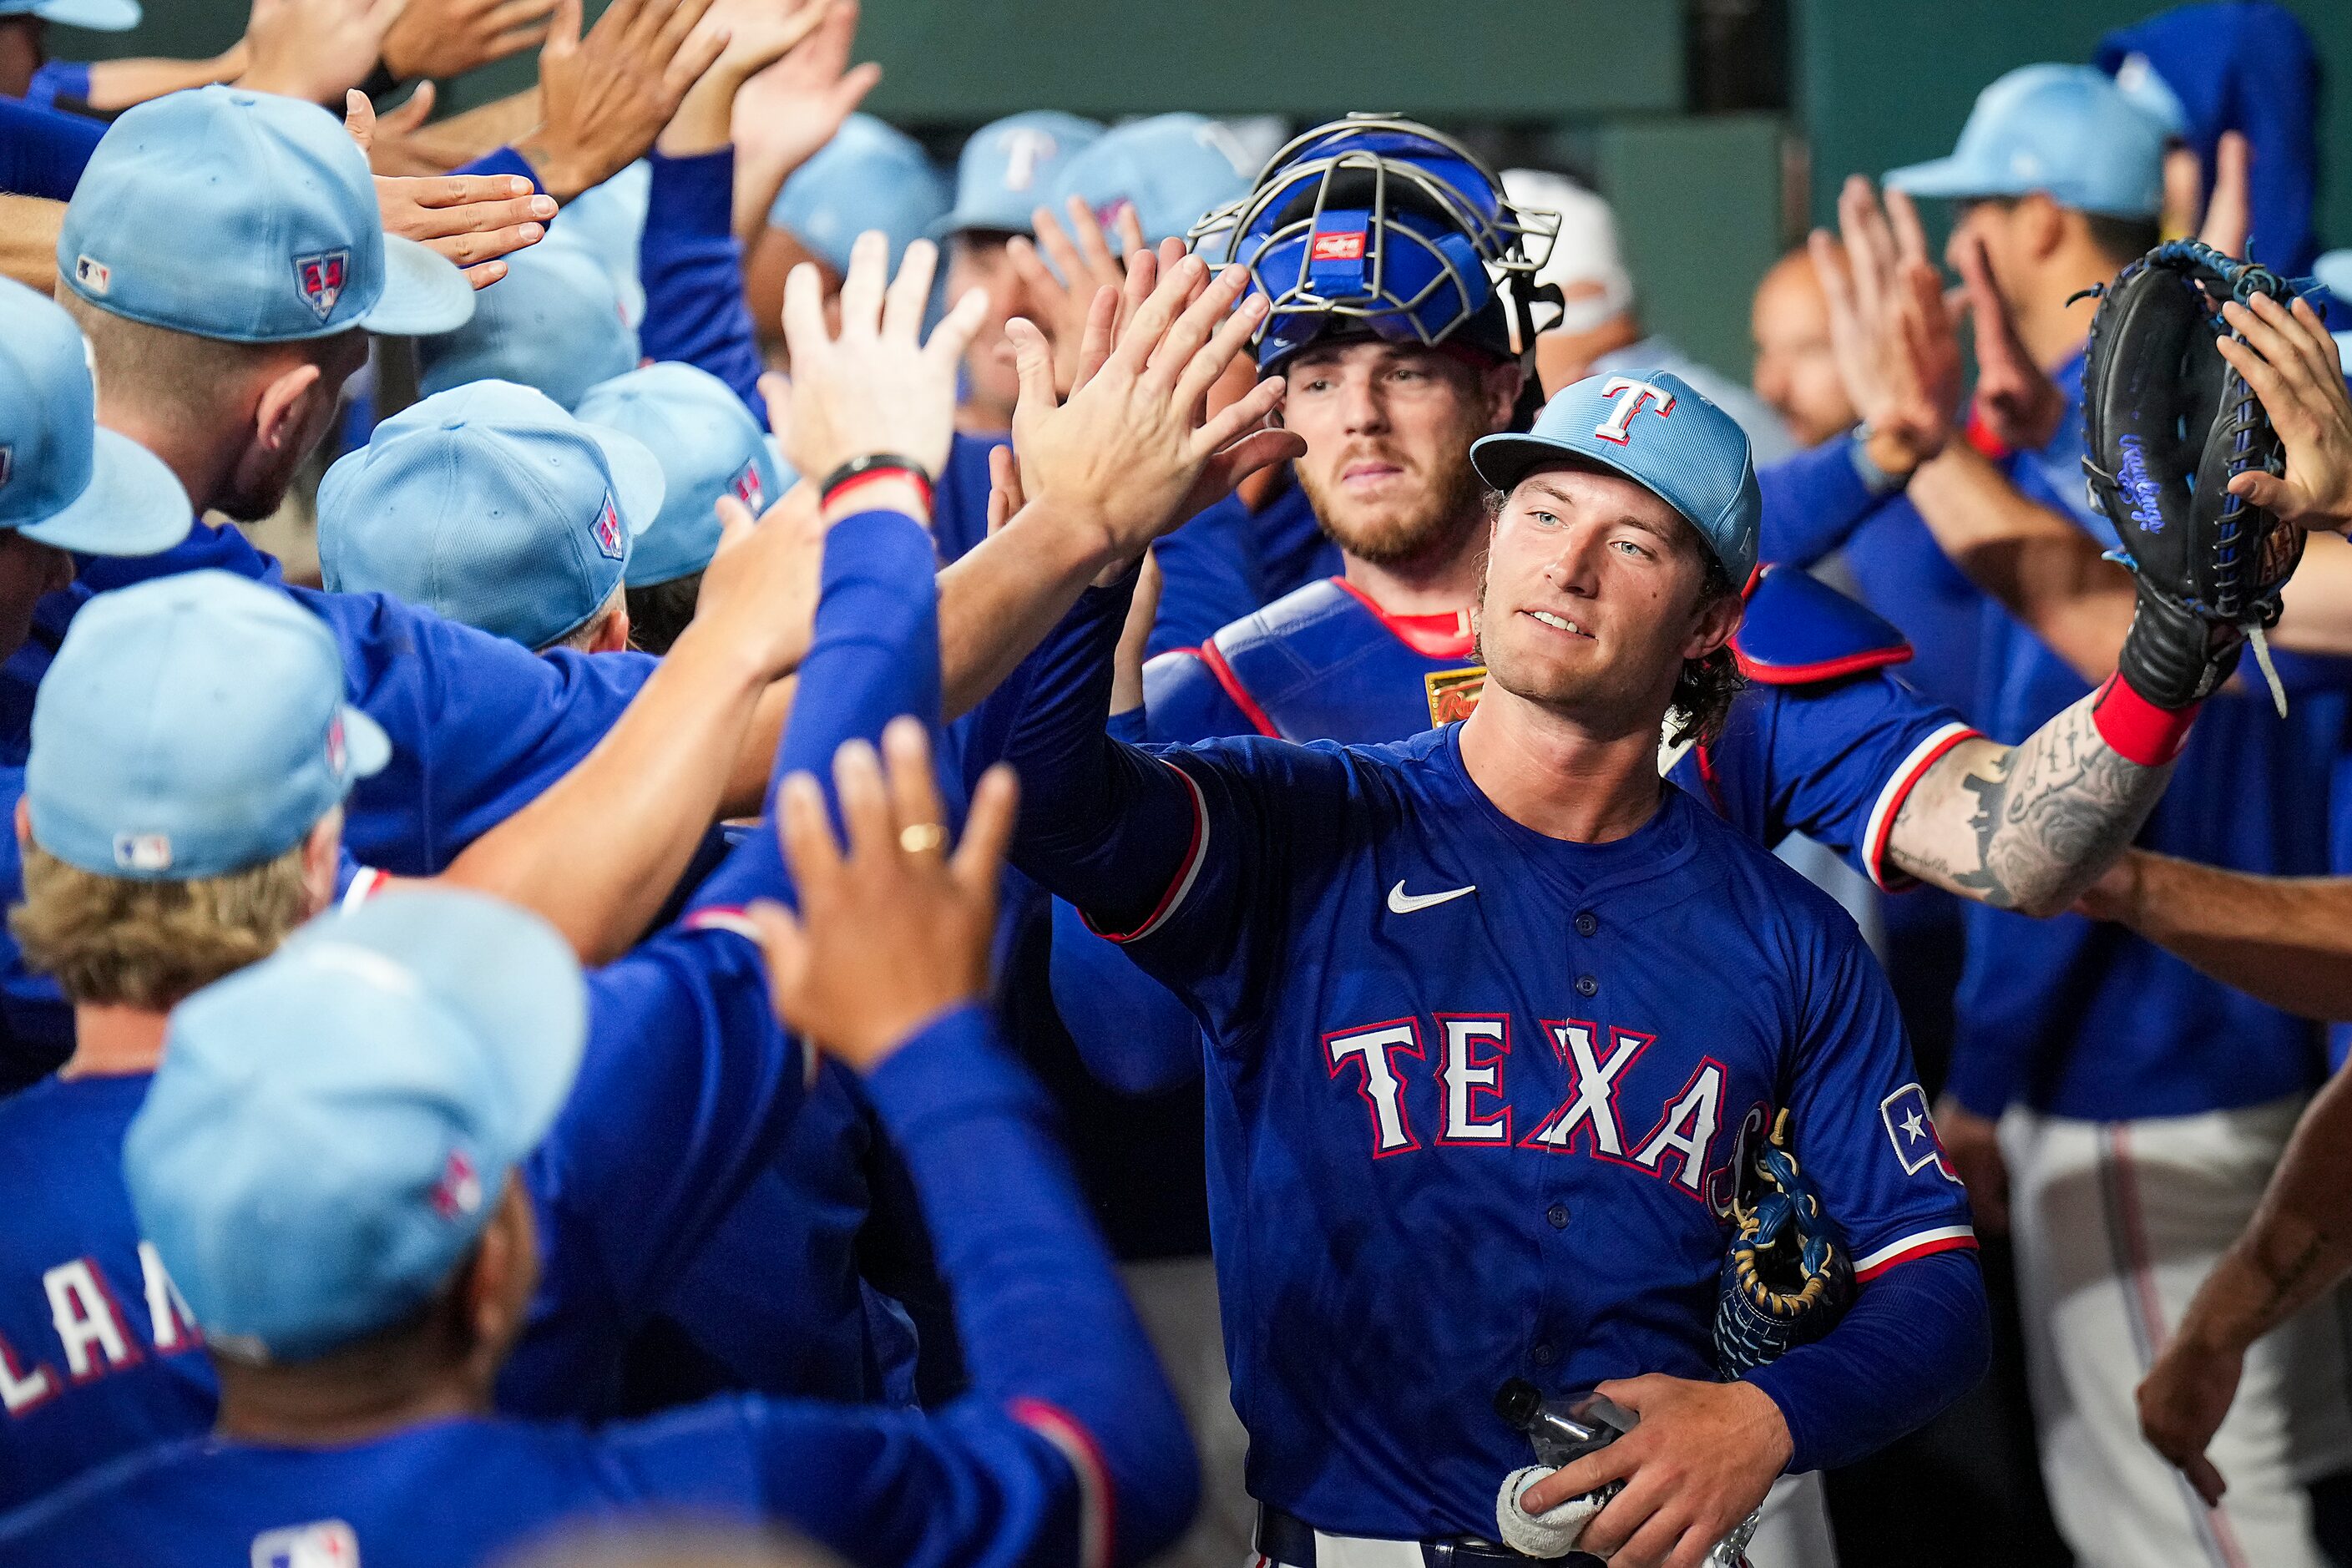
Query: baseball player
point(398, 1292)
point(1442, 1156)
point(870, 175)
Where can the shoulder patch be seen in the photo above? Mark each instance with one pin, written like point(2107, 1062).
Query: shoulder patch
point(1799, 630)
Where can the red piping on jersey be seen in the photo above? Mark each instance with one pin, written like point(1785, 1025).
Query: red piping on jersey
point(1425, 635)
point(1924, 1249)
point(1821, 669)
point(1873, 854)
point(1706, 776)
point(1187, 870)
point(1097, 1504)
point(1235, 690)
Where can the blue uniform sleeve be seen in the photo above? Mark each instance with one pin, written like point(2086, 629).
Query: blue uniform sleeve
point(1832, 760)
point(1917, 1337)
point(874, 654)
point(1132, 1032)
point(480, 725)
point(59, 83)
point(42, 153)
point(693, 274)
point(502, 160)
point(1812, 503)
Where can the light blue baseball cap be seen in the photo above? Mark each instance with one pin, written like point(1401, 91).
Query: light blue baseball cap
point(63, 480)
point(1170, 168)
point(1657, 429)
point(191, 726)
point(870, 175)
point(98, 16)
point(708, 446)
point(1009, 168)
point(250, 218)
point(608, 221)
point(491, 506)
point(556, 323)
point(2068, 131)
point(332, 1128)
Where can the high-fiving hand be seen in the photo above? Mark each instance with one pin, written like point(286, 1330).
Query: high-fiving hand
point(315, 49)
point(446, 38)
point(1889, 328)
point(604, 98)
point(472, 219)
point(1084, 256)
point(758, 593)
point(2294, 367)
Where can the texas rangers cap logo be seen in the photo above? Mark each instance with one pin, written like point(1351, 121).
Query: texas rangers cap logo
point(609, 541)
point(747, 487)
point(1629, 397)
point(338, 752)
point(458, 1193)
point(320, 280)
point(329, 1543)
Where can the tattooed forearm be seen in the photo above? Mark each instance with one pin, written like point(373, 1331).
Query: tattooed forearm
point(2026, 827)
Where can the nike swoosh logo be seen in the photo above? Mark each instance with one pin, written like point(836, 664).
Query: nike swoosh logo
point(1403, 903)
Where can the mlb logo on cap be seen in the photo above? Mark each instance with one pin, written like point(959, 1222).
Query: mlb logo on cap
point(93, 275)
point(329, 1543)
point(143, 851)
point(320, 279)
point(608, 532)
point(1338, 247)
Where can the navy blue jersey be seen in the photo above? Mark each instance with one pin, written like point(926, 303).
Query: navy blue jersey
point(1069, 1451)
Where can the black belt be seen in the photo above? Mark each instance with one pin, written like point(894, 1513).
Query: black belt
point(1282, 1537)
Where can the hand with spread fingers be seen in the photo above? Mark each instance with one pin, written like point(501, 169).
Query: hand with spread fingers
point(877, 387)
point(472, 219)
point(605, 97)
point(388, 139)
point(2016, 402)
point(446, 38)
point(2296, 369)
point(758, 34)
point(759, 594)
point(1130, 450)
point(786, 113)
point(1085, 265)
point(1890, 329)
point(895, 930)
point(1694, 1467)
point(315, 49)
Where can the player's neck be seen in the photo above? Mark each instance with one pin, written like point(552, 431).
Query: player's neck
point(114, 1042)
point(317, 1405)
point(1443, 587)
point(1559, 776)
point(195, 459)
point(2051, 330)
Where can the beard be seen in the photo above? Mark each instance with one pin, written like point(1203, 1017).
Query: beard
point(1436, 519)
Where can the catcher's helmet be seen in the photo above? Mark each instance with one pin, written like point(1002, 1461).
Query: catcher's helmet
point(1372, 225)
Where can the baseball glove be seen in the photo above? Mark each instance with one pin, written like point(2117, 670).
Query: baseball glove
point(1788, 1278)
point(2166, 425)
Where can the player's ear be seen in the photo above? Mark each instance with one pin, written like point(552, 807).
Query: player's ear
point(503, 1276)
point(1502, 386)
point(278, 413)
point(2041, 223)
point(23, 822)
point(321, 852)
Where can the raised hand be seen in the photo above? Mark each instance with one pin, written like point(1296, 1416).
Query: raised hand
point(759, 594)
point(896, 932)
point(604, 98)
point(471, 219)
point(876, 386)
point(385, 139)
point(2016, 401)
point(1083, 256)
point(758, 33)
point(446, 38)
point(315, 49)
point(2221, 219)
point(1889, 328)
point(788, 111)
point(2295, 369)
point(1132, 449)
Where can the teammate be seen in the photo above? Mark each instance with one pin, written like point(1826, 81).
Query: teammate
point(356, 1376)
point(1243, 872)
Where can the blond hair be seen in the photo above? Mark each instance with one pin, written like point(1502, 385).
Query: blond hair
point(115, 941)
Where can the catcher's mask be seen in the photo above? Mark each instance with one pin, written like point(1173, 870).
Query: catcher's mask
point(1380, 226)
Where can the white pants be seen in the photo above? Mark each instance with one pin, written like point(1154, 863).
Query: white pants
point(1177, 1299)
point(2117, 1224)
point(1794, 1534)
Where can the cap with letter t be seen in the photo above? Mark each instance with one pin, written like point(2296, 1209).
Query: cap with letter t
point(1655, 428)
point(249, 218)
point(332, 1128)
point(189, 726)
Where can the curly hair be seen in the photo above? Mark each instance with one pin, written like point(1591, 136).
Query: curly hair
point(115, 942)
point(1704, 690)
point(659, 611)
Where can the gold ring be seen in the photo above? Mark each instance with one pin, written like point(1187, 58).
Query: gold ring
point(917, 837)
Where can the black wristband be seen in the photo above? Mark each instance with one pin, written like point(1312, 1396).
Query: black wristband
point(868, 464)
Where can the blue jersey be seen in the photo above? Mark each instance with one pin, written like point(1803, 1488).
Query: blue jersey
point(1069, 1451)
point(1470, 1106)
point(2087, 1020)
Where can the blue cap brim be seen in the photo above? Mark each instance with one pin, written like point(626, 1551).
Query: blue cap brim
point(424, 293)
point(1948, 177)
point(639, 486)
point(98, 15)
point(367, 749)
point(134, 505)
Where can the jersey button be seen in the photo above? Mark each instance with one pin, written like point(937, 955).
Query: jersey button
point(1544, 1355)
point(1586, 986)
point(1587, 923)
point(1558, 1217)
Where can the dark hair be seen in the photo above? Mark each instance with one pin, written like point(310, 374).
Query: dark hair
point(2124, 239)
point(1704, 690)
point(660, 611)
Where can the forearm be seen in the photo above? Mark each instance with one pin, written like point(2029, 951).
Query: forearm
point(1006, 593)
point(118, 85)
point(599, 852)
point(2286, 941)
point(2043, 569)
point(2317, 618)
point(2026, 827)
point(29, 240)
point(1812, 503)
point(693, 273)
point(1914, 1340)
point(2299, 1242)
point(462, 138)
